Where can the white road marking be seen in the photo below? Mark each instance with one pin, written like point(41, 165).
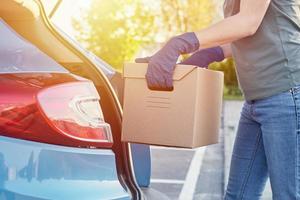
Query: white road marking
point(167, 181)
point(188, 189)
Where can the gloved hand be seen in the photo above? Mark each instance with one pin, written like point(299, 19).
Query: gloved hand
point(205, 57)
point(161, 65)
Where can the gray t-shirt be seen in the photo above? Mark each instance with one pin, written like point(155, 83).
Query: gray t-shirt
point(268, 62)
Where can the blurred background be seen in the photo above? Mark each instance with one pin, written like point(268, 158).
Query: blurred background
point(119, 31)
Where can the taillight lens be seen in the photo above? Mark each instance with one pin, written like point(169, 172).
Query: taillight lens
point(56, 108)
point(73, 109)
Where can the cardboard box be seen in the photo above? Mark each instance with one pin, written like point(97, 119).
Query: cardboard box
point(189, 116)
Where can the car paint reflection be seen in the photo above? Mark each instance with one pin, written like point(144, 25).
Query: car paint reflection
point(39, 171)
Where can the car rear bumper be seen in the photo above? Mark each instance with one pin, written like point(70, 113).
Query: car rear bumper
point(32, 170)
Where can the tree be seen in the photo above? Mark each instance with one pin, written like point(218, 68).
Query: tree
point(179, 16)
point(114, 30)
point(230, 78)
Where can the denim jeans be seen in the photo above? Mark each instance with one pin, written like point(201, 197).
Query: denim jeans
point(267, 145)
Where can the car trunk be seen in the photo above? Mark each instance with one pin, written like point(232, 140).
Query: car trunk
point(29, 20)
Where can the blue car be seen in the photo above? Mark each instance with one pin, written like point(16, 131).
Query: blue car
point(60, 117)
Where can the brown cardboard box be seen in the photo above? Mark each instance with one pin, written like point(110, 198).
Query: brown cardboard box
point(188, 116)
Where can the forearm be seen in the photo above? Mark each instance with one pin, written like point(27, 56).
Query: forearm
point(243, 24)
point(161, 65)
point(224, 32)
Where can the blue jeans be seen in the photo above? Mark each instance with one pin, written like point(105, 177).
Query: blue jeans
point(267, 145)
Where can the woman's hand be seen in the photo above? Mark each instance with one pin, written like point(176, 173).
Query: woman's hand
point(161, 65)
point(203, 58)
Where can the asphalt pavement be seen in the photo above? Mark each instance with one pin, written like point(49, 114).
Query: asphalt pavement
point(198, 174)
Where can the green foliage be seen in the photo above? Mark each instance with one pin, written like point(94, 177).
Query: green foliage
point(114, 30)
point(190, 15)
point(231, 89)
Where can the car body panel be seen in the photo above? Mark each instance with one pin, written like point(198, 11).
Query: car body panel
point(32, 170)
point(36, 28)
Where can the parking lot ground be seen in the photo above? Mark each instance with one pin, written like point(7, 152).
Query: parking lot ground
point(210, 182)
point(198, 174)
point(169, 169)
point(188, 174)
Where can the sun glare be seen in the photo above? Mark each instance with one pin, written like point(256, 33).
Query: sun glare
point(69, 9)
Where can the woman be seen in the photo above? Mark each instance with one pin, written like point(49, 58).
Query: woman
point(264, 38)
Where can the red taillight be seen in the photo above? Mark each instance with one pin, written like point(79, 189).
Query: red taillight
point(73, 109)
point(52, 108)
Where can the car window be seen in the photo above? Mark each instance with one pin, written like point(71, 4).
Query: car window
point(18, 55)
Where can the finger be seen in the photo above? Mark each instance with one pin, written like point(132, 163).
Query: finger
point(169, 83)
point(159, 83)
point(142, 60)
point(151, 83)
point(192, 60)
point(197, 59)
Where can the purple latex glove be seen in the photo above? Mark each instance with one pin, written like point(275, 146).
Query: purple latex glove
point(161, 65)
point(205, 57)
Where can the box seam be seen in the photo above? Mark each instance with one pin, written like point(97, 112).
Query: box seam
point(196, 110)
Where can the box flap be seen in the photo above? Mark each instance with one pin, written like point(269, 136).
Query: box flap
point(138, 70)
